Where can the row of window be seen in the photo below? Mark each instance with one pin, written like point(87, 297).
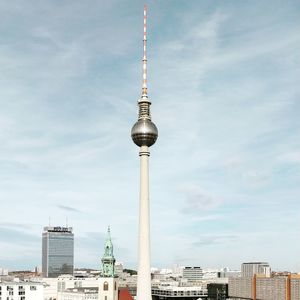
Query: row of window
point(8, 298)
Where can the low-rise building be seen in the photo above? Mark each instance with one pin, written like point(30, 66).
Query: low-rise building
point(177, 292)
point(21, 290)
point(80, 294)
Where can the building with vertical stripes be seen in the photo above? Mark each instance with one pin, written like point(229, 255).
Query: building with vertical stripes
point(259, 287)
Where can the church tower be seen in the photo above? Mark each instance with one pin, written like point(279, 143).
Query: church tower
point(108, 283)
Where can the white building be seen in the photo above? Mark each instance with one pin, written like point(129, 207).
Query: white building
point(119, 267)
point(55, 287)
point(21, 290)
point(3, 272)
point(192, 273)
point(50, 288)
point(227, 273)
point(258, 268)
point(176, 291)
point(210, 273)
point(80, 294)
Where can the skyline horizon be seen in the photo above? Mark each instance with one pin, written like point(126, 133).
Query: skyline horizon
point(237, 266)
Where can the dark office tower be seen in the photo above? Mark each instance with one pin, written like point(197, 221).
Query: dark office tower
point(57, 251)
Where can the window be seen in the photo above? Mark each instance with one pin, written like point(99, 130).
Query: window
point(33, 288)
point(105, 286)
point(115, 285)
point(105, 298)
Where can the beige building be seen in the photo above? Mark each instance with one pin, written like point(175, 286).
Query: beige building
point(251, 268)
point(265, 288)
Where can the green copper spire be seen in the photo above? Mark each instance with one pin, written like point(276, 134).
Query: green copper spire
point(108, 259)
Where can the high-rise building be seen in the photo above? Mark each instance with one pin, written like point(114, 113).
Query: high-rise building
point(258, 268)
point(108, 283)
point(57, 251)
point(144, 134)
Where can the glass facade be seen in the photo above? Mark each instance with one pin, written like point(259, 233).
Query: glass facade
point(57, 251)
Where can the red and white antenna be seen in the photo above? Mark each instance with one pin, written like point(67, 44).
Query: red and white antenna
point(144, 89)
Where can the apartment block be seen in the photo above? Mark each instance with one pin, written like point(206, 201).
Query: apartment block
point(259, 287)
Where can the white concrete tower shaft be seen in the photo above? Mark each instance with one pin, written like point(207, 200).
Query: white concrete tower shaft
point(144, 134)
point(144, 272)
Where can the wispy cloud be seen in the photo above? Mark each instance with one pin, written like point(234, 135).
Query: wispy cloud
point(69, 208)
point(207, 240)
point(198, 201)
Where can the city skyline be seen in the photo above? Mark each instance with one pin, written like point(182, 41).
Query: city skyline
point(224, 175)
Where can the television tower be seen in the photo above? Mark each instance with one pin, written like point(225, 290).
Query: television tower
point(144, 134)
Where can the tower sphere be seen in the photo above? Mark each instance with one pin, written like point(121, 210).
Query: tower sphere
point(144, 133)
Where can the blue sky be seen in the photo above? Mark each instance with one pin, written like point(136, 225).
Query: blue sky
point(225, 171)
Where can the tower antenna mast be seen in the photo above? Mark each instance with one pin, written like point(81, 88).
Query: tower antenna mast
point(144, 88)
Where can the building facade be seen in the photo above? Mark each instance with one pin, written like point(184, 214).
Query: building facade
point(179, 292)
point(258, 268)
point(57, 251)
point(265, 288)
point(192, 273)
point(80, 294)
point(217, 291)
point(21, 291)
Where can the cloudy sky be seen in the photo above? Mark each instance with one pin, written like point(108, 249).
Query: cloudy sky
point(225, 171)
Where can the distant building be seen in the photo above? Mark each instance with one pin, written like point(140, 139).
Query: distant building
point(119, 269)
point(21, 290)
point(80, 294)
point(57, 251)
point(265, 288)
point(192, 273)
point(178, 292)
point(258, 268)
point(229, 273)
point(217, 291)
point(3, 272)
